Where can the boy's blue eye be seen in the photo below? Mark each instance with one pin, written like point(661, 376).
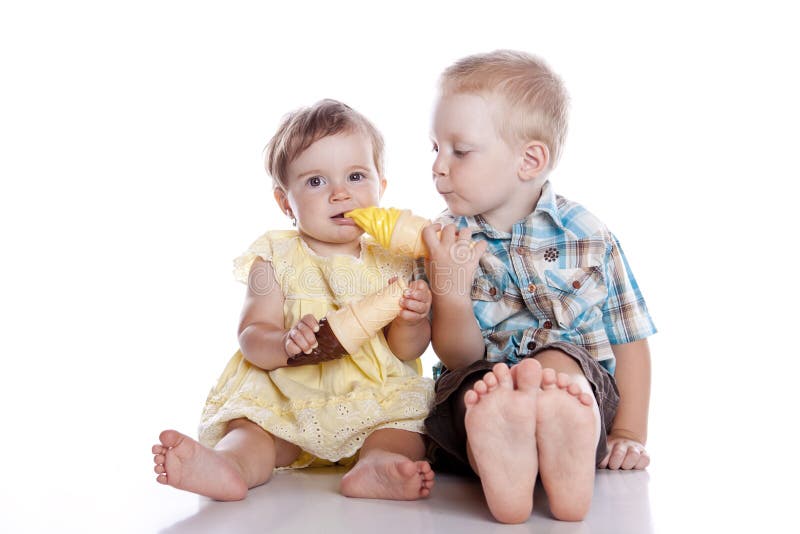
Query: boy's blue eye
point(315, 181)
point(460, 153)
point(357, 177)
point(435, 148)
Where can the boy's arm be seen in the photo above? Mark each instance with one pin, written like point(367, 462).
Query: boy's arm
point(263, 340)
point(410, 333)
point(629, 431)
point(456, 336)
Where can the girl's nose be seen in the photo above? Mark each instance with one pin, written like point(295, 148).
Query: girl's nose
point(340, 193)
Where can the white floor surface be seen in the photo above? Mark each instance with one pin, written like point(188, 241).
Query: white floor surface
point(308, 501)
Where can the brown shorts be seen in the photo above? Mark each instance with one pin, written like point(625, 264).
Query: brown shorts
point(447, 437)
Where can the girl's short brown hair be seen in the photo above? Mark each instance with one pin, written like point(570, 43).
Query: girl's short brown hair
point(303, 127)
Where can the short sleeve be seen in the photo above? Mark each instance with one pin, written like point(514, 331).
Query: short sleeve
point(625, 313)
point(261, 248)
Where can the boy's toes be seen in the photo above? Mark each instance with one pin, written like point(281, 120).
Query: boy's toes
point(503, 375)
point(548, 378)
point(563, 380)
point(527, 375)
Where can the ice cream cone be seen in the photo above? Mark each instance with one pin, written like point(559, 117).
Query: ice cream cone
point(358, 321)
point(343, 331)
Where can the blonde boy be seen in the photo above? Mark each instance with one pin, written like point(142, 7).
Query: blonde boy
point(547, 367)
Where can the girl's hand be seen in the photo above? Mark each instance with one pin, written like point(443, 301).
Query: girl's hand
point(302, 336)
point(415, 303)
point(624, 453)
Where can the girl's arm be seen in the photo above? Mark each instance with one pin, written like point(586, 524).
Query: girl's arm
point(264, 341)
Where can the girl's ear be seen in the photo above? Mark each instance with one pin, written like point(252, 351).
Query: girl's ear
point(283, 202)
point(535, 160)
point(383, 187)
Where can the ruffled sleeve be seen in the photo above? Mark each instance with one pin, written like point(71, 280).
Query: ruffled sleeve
point(260, 248)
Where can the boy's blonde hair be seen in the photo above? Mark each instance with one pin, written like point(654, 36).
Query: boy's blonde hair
point(534, 99)
point(303, 127)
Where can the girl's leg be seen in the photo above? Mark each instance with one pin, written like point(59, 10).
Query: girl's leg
point(244, 458)
point(391, 465)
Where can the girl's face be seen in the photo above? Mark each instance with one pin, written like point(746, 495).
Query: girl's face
point(331, 177)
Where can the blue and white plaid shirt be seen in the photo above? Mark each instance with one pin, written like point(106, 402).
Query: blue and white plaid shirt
point(560, 275)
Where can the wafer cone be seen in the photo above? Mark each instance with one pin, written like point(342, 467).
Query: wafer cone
point(343, 331)
point(358, 321)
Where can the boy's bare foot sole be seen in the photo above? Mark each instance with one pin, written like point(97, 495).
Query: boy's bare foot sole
point(501, 436)
point(567, 433)
point(388, 476)
point(185, 464)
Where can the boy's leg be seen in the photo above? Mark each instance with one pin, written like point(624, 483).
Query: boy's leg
point(390, 465)
point(244, 458)
point(501, 431)
point(568, 429)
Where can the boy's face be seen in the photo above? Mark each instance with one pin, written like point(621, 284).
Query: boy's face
point(475, 170)
point(334, 175)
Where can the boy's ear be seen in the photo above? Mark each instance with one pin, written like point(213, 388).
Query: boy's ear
point(535, 159)
point(383, 187)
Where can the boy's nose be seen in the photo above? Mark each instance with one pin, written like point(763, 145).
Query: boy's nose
point(439, 168)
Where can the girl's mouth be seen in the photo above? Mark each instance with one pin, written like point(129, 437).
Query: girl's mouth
point(339, 218)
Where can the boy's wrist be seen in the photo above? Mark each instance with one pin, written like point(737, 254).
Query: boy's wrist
point(621, 433)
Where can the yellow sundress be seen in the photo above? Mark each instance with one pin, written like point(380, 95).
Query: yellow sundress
point(326, 409)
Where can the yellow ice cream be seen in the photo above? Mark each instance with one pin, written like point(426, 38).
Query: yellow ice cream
point(377, 222)
point(399, 231)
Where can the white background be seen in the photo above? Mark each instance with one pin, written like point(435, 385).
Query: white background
point(130, 159)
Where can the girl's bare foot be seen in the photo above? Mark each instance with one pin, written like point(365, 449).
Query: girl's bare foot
point(501, 437)
point(568, 427)
point(386, 475)
point(185, 464)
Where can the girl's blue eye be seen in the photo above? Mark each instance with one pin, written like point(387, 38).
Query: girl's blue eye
point(435, 148)
point(357, 177)
point(460, 153)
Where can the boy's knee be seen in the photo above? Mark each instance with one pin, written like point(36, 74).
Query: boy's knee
point(558, 360)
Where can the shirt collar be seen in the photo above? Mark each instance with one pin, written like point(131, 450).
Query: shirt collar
point(547, 205)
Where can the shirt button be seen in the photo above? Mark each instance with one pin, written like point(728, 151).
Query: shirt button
point(519, 250)
point(493, 291)
point(576, 284)
point(531, 345)
point(547, 324)
point(531, 288)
